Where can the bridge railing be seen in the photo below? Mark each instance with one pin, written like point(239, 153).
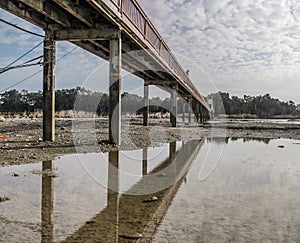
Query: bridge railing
point(132, 10)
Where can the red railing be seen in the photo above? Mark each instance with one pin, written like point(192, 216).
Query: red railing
point(132, 10)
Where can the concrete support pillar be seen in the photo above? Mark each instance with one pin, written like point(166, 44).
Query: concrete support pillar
point(47, 203)
point(145, 161)
point(197, 112)
point(201, 114)
point(49, 87)
point(183, 110)
point(190, 110)
point(173, 110)
point(146, 106)
point(115, 91)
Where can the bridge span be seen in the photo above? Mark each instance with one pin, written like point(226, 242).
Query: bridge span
point(118, 31)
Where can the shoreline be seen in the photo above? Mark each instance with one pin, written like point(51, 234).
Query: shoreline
point(25, 144)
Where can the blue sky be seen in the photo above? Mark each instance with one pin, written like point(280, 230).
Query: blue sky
point(237, 46)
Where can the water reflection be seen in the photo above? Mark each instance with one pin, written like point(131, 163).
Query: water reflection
point(145, 161)
point(47, 201)
point(74, 208)
point(226, 140)
point(252, 195)
point(126, 216)
point(113, 196)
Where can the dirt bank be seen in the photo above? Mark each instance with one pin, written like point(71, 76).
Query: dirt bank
point(25, 144)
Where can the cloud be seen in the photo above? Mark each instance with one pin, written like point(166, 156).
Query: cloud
point(243, 43)
point(243, 46)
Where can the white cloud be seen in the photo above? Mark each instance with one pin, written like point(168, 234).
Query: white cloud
point(245, 44)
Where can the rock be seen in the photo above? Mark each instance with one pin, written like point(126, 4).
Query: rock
point(152, 199)
point(15, 175)
point(2, 119)
point(281, 146)
point(162, 175)
point(3, 199)
point(131, 237)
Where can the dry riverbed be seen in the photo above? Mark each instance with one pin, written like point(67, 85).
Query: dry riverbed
point(24, 143)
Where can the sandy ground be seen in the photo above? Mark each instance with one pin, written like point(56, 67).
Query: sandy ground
point(25, 144)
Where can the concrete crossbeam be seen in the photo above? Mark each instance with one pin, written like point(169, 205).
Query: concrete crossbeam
point(105, 33)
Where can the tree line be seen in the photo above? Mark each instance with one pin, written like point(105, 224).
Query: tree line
point(80, 99)
point(262, 106)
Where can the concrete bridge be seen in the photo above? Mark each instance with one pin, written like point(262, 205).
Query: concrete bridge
point(118, 31)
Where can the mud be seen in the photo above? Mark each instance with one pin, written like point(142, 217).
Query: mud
point(24, 143)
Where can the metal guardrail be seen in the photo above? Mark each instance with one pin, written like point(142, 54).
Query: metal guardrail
point(132, 10)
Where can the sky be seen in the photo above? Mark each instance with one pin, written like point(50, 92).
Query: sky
point(235, 46)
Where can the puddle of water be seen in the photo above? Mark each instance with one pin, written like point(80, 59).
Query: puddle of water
point(78, 195)
point(236, 189)
point(252, 195)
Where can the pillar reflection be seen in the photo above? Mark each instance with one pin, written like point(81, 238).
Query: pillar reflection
point(145, 161)
point(47, 201)
point(113, 184)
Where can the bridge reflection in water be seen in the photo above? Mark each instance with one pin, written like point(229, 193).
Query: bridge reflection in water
point(128, 216)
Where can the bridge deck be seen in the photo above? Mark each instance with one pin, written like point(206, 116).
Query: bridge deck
point(148, 56)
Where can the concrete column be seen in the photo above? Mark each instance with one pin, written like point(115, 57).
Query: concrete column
point(197, 112)
point(201, 114)
point(173, 110)
point(49, 87)
point(190, 110)
point(47, 203)
point(183, 111)
point(146, 106)
point(115, 91)
point(145, 161)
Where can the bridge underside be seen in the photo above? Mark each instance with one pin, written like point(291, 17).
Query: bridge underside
point(96, 27)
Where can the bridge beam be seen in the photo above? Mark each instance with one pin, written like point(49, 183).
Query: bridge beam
point(173, 108)
point(49, 11)
point(104, 33)
point(49, 88)
point(169, 83)
point(115, 91)
point(146, 105)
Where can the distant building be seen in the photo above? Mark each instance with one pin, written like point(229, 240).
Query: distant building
point(298, 107)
